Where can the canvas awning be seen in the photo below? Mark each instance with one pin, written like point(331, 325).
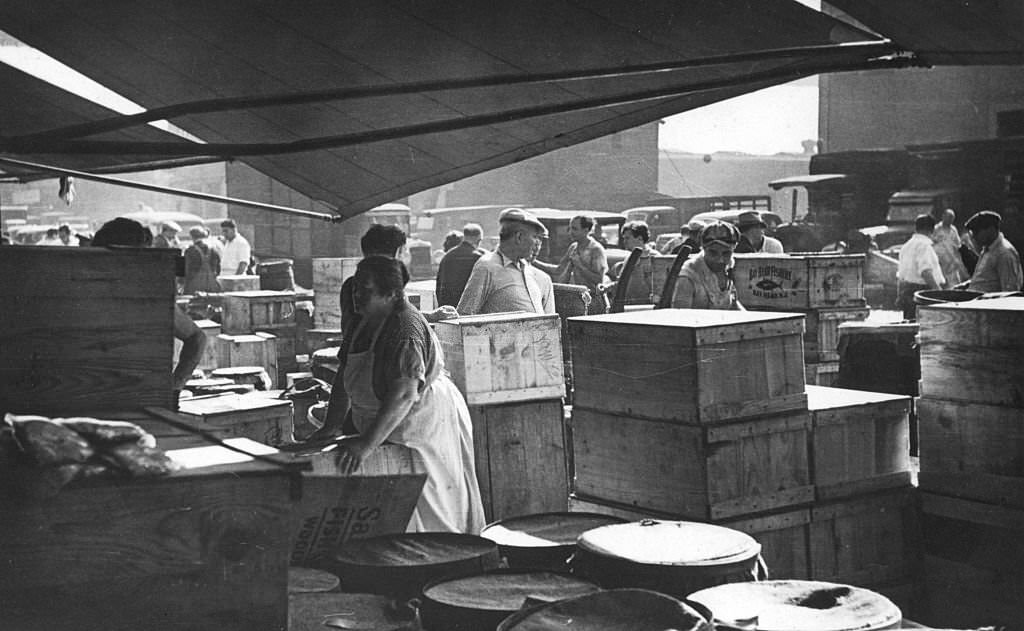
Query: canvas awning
point(372, 101)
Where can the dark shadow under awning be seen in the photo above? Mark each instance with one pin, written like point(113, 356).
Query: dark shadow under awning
point(467, 86)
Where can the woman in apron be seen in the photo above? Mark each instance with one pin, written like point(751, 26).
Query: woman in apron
point(398, 391)
point(705, 282)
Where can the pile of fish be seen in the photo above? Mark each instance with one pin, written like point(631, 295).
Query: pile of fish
point(44, 454)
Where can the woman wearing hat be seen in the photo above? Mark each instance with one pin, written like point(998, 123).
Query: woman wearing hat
point(201, 264)
point(705, 282)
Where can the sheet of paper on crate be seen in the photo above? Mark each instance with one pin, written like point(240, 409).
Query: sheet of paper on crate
point(214, 455)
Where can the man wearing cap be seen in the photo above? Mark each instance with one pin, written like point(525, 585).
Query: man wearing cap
point(999, 267)
point(705, 282)
point(752, 236)
point(919, 267)
point(503, 280)
point(689, 234)
point(168, 237)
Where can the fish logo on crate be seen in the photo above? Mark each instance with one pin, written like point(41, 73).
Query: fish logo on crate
point(772, 282)
point(800, 281)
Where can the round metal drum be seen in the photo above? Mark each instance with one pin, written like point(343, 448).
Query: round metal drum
point(612, 610)
point(672, 557)
point(401, 564)
point(800, 606)
point(482, 601)
point(543, 540)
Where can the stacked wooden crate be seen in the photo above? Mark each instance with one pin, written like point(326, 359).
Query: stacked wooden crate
point(509, 369)
point(827, 288)
point(328, 276)
point(704, 415)
point(260, 314)
point(971, 415)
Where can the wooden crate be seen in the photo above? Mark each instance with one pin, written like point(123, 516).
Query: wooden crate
point(257, 349)
point(973, 351)
point(328, 276)
point(782, 534)
point(317, 339)
point(807, 280)
point(250, 311)
point(204, 548)
point(256, 416)
point(388, 459)
point(972, 451)
point(694, 472)
point(821, 339)
point(502, 358)
point(520, 458)
point(82, 327)
point(691, 366)
point(860, 441)
point(865, 540)
point(424, 289)
point(973, 563)
point(239, 282)
point(208, 360)
point(822, 373)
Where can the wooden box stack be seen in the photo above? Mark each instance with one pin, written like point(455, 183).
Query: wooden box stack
point(509, 369)
point(254, 415)
point(821, 478)
point(328, 276)
point(263, 311)
point(827, 288)
point(971, 419)
point(256, 349)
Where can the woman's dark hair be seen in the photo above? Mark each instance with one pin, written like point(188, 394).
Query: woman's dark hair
point(121, 231)
point(382, 240)
point(388, 274)
point(638, 229)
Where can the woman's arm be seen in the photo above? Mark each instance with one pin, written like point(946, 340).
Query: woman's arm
point(401, 396)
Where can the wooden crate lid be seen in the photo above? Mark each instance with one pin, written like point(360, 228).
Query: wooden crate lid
point(634, 609)
point(493, 318)
point(678, 543)
point(409, 550)
point(811, 258)
point(243, 338)
point(207, 324)
point(871, 328)
point(708, 326)
point(824, 398)
point(259, 293)
point(229, 403)
point(792, 605)
point(545, 529)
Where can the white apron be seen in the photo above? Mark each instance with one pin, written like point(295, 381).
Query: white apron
point(439, 429)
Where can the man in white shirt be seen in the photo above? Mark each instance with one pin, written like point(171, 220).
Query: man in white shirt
point(235, 251)
point(919, 267)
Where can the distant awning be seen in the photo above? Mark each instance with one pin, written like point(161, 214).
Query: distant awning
point(947, 32)
point(367, 102)
point(806, 180)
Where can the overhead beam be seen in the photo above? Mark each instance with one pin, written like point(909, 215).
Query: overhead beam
point(105, 179)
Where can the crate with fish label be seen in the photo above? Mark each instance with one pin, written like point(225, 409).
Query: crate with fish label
point(808, 280)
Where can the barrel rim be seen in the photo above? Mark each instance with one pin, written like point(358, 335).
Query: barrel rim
point(498, 572)
point(483, 546)
point(519, 616)
point(499, 522)
point(751, 552)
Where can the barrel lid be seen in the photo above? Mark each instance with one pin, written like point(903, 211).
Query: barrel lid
point(610, 610)
point(800, 606)
point(545, 529)
point(413, 549)
point(304, 580)
point(506, 590)
point(670, 543)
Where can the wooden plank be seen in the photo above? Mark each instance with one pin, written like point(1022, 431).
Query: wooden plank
point(821, 341)
point(688, 366)
point(239, 282)
point(525, 457)
point(503, 358)
point(328, 276)
point(860, 441)
point(867, 539)
point(822, 373)
point(688, 471)
point(257, 349)
point(799, 281)
point(979, 446)
point(64, 329)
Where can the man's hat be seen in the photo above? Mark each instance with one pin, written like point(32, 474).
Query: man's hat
point(750, 219)
point(693, 227)
point(720, 232)
point(982, 220)
point(518, 215)
point(170, 225)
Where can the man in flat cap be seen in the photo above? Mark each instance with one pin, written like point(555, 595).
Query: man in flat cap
point(503, 280)
point(998, 267)
point(168, 237)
